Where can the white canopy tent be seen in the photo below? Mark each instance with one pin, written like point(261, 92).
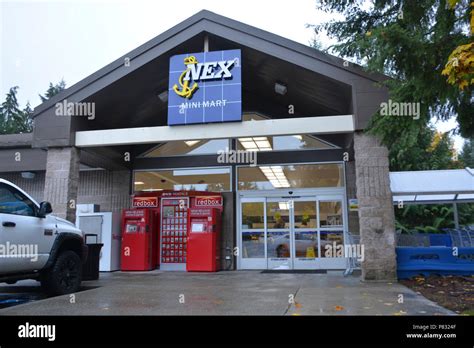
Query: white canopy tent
point(434, 187)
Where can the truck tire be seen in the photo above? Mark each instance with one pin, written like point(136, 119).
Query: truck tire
point(64, 276)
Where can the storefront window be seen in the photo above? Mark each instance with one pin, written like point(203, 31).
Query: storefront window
point(306, 244)
point(278, 244)
point(278, 215)
point(332, 243)
point(330, 213)
point(196, 179)
point(290, 176)
point(189, 148)
point(253, 245)
point(252, 215)
point(305, 214)
point(281, 143)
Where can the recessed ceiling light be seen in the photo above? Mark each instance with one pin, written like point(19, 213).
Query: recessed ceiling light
point(191, 142)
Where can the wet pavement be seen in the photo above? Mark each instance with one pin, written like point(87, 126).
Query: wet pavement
point(223, 293)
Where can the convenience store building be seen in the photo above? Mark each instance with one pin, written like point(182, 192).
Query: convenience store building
point(301, 112)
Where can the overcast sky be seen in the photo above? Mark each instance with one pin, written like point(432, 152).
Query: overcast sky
point(45, 41)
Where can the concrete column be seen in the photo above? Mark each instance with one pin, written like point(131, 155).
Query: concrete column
point(352, 193)
point(62, 181)
point(121, 190)
point(376, 215)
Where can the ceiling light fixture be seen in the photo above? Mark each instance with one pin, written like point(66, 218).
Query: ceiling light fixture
point(276, 176)
point(191, 142)
point(163, 96)
point(280, 88)
point(256, 144)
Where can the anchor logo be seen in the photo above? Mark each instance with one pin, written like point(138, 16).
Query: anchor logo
point(186, 91)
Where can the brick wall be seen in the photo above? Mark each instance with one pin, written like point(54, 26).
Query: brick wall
point(108, 189)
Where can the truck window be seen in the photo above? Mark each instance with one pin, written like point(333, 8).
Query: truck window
point(14, 202)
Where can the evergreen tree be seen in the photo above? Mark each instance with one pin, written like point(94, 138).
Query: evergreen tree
point(53, 90)
point(411, 42)
point(467, 153)
point(15, 120)
point(10, 113)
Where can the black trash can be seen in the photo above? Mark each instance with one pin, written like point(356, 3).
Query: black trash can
point(90, 269)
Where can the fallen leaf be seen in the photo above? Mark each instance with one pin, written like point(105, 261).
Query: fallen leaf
point(338, 308)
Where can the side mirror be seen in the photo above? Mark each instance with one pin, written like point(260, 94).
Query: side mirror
point(45, 209)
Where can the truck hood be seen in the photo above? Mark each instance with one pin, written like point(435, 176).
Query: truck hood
point(63, 221)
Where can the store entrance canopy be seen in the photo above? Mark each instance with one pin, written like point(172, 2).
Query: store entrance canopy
point(433, 186)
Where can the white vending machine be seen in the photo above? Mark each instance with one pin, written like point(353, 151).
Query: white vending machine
point(107, 230)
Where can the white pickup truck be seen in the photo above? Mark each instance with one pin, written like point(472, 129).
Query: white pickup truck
point(37, 245)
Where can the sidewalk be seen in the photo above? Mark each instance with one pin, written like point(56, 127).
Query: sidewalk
point(230, 293)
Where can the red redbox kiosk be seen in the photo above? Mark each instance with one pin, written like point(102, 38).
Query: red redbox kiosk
point(151, 203)
point(171, 225)
point(203, 249)
point(137, 240)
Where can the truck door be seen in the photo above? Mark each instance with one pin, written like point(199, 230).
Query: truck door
point(25, 239)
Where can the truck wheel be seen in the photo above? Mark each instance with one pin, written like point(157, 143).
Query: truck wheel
point(65, 276)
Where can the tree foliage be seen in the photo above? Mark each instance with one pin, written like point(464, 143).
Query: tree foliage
point(53, 90)
point(460, 65)
point(467, 153)
point(410, 41)
point(14, 120)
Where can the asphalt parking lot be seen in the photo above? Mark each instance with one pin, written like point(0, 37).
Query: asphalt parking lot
point(222, 293)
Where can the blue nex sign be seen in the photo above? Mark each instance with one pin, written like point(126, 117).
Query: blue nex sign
point(205, 87)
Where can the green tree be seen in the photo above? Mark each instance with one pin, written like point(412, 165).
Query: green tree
point(467, 153)
point(53, 90)
point(410, 41)
point(12, 118)
point(432, 151)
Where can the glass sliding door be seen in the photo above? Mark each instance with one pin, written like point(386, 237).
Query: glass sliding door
point(305, 232)
point(279, 236)
point(331, 231)
point(252, 249)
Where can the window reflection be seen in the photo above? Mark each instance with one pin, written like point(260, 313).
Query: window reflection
point(278, 215)
point(196, 179)
point(278, 244)
point(330, 213)
point(306, 244)
point(253, 245)
point(290, 176)
point(332, 243)
point(305, 214)
point(252, 215)
point(189, 147)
